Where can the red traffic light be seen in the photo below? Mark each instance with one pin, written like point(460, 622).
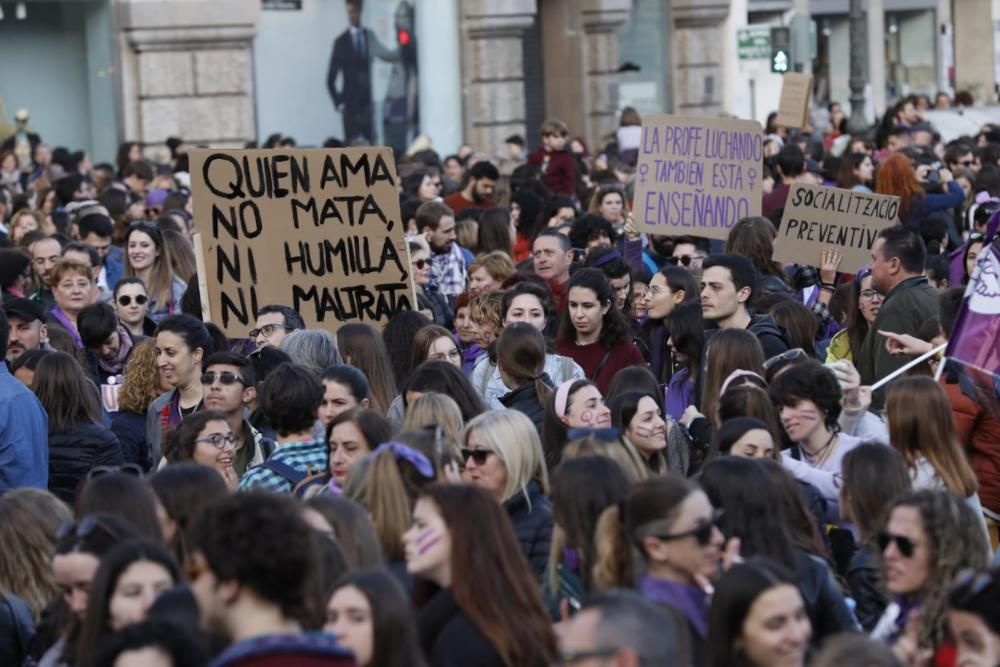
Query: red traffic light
point(404, 37)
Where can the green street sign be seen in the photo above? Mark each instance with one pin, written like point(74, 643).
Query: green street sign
point(754, 43)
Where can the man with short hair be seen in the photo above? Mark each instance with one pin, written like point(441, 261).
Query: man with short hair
point(44, 255)
point(289, 399)
point(790, 163)
point(96, 230)
point(689, 252)
point(253, 557)
point(24, 429)
point(552, 255)
point(274, 322)
point(480, 186)
point(230, 388)
point(436, 223)
point(898, 139)
point(909, 301)
point(137, 176)
point(727, 290)
point(28, 330)
point(620, 628)
point(108, 343)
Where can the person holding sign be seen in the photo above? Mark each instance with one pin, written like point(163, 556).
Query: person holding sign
point(897, 272)
point(729, 284)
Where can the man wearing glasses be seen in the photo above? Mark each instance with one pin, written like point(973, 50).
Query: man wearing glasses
point(273, 324)
point(230, 388)
point(689, 252)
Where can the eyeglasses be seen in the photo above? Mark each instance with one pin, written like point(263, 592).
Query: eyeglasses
point(218, 440)
point(788, 355)
point(966, 163)
point(702, 532)
point(126, 300)
point(225, 377)
point(268, 330)
point(871, 294)
point(684, 259)
point(451, 355)
point(84, 528)
point(421, 263)
point(904, 545)
point(478, 456)
point(125, 469)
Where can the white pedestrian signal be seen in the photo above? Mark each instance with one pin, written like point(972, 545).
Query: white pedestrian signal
point(780, 62)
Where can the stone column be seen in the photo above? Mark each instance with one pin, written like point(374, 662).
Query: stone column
point(493, 69)
point(974, 49)
point(698, 34)
point(601, 19)
point(187, 70)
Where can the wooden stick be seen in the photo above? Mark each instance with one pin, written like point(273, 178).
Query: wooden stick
point(899, 371)
point(199, 261)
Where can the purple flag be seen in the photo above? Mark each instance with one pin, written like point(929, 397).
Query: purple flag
point(974, 346)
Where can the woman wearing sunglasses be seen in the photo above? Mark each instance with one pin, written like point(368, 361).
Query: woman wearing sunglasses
point(132, 304)
point(503, 455)
point(430, 301)
point(486, 611)
point(206, 439)
point(671, 524)
point(930, 538)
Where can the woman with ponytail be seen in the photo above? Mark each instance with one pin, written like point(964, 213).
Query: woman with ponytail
point(671, 524)
point(521, 361)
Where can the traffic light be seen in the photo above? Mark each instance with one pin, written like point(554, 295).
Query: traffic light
point(781, 49)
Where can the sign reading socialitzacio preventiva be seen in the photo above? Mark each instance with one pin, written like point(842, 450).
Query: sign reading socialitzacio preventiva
point(317, 230)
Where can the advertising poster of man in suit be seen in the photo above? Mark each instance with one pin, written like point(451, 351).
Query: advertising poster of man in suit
point(356, 82)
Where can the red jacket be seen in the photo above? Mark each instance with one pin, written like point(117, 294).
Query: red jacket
point(979, 433)
point(558, 170)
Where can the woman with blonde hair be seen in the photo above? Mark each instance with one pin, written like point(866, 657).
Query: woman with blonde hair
point(29, 521)
point(488, 271)
point(435, 410)
point(503, 454)
point(614, 448)
point(143, 383)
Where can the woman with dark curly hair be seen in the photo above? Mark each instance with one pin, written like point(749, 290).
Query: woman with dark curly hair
point(593, 332)
point(930, 538)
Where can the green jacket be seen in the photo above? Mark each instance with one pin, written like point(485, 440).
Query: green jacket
point(906, 308)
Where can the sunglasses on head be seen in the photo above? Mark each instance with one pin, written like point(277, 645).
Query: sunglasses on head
point(143, 224)
point(702, 532)
point(126, 300)
point(478, 456)
point(421, 263)
point(83, 529)
point(224, 377)
point(904, 545)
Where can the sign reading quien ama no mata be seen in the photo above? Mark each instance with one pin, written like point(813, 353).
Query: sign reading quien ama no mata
point(317, 230)
point(817, 218)
point(697, 175)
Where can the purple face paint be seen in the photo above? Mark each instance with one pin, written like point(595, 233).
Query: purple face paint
point(424, 548)
point(426, 540)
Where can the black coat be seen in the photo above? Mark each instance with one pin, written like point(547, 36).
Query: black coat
point(865, 584)
point(450, 638)
point(73, 454)
point(525, 399)
point(130, 429)
point(825, 603)
point(533, 524)
point(773, 338)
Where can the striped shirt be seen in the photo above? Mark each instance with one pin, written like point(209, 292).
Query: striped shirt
point(309, 457)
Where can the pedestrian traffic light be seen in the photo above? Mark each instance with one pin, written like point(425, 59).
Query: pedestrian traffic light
point(781, 49)
point(403, 36)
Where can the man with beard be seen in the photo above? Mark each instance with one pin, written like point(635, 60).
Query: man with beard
point(24, 429)
point(436, 222)
point(27, 327)
point(657, 254)
point(480, 184)
point(44, 255)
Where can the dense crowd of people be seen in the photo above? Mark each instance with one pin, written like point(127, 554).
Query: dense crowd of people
point(586, 445)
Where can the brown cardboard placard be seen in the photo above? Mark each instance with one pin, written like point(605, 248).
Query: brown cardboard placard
point(817, 218)
point(796, 93)
point(318, 230)
point(697, 175)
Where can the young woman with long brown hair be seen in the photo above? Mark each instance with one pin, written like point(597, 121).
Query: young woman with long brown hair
point(862, 309)
point(922, 429)
point(487, 610)
point(361, 346)
point(148, 258)
point(753, 238)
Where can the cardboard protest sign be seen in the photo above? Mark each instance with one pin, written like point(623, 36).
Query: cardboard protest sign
point(697, 175)
point(793, 105)
point(317, 230)
point(817, 218)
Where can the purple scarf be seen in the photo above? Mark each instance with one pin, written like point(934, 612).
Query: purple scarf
point(117, 365)
point(62, 319)
point(688, 600)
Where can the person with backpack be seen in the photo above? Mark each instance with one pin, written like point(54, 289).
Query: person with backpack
point(289, 399)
